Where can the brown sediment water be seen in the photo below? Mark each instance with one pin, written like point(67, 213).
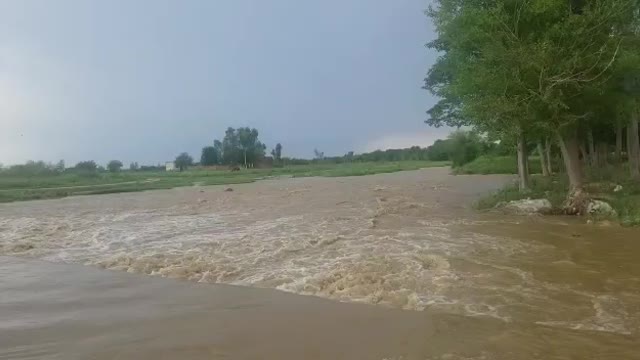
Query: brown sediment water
point(398, 267)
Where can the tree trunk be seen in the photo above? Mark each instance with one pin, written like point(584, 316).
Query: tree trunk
point(523, 163)
point(570, 154)
point(583, 152)
point(577, 201)
point(245, 158)
point(561, 166)
point(593, 156)
point(547, 154)
point(602, 154)
point(633, 146)
point(543, 160)
point(619, 131)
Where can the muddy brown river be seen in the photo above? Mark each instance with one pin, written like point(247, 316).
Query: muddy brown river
point(392, 266)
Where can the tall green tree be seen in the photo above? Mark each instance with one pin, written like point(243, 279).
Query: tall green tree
point(230, 147)
point(277, 153)
point(210, 156)
point(627, 87)
point(251, 149)
point(87, 166)
point(514, 68)
point(183, 161)
point(464, 147)
point(217, 144)
point(114, 166)
point(241, 146)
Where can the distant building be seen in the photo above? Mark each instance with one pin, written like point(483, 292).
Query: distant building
point(170, 166)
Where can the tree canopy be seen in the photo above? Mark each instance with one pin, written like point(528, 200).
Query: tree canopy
point(34, 168)
point(534, 69)
point(210, 156)
point(241, 146)
point(277, 153)
point(114, 166)
point(183, 161)
point(86, 166)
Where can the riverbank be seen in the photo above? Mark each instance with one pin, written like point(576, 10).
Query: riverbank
point(623, 195)
point(485, 165)
point(610, 184)
point(21, 188)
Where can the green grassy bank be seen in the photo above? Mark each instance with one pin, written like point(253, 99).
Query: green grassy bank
point(497, 165)
point(601, 185)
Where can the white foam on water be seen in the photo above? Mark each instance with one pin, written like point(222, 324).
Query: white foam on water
point(609, 315)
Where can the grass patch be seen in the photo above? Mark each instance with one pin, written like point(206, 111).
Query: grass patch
point(625, 202)
point(19, 188)
point(21, 195)
point(553, 189)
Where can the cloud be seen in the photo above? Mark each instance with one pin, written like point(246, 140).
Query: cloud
point(74, 87)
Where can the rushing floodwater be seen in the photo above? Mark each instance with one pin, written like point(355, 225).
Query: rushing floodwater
point(476, 286)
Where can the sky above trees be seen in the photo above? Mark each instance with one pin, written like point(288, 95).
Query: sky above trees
point(145, 80)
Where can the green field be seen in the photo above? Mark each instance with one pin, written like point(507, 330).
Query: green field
point(19, 188)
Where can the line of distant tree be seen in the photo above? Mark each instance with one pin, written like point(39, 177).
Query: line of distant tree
point(35, 168)
point(460, 147)
point(89, 167)
point(242, 147)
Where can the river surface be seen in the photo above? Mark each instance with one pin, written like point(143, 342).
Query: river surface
point(396, 265)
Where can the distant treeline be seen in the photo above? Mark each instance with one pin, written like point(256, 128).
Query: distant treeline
point(34, 168)
point(242, 147)
point(90, 167)
point(415, 153)
point(460, 148)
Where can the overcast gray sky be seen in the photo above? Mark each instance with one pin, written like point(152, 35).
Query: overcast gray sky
point(144, 80)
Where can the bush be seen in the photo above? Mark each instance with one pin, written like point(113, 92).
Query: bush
point(497, 165)
point(553, 189)
point(626, 202)
point(86, 166)
point(114, 165)
point(33, 168)
point(439, 151)
point(464, 147)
